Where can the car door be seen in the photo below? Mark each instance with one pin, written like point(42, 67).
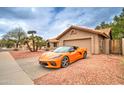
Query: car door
point(74, 55)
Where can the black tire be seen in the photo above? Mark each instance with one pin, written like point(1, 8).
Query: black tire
point(65, 62)
point(85, 55)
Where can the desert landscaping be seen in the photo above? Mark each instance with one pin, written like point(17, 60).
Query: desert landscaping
point(96, 69)
point(28, 56)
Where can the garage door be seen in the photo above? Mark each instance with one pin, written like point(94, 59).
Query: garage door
point(83, 43)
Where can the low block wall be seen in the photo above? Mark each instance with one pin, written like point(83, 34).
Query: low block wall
point(107, 46)
point(123, 46)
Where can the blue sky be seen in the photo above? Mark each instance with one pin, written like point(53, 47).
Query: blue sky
point(49, 22)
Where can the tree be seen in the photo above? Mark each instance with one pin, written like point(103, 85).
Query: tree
point(7, 43)
point(0, 43)
point(117, 26)
point(98, 27)
point(16, 35)
point(33, 39)
point(103, 25)
point(39, 42)
point(34, 42)
point(26, 41)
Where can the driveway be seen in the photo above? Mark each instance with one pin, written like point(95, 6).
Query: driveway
point(10, 71)
point(32, 67)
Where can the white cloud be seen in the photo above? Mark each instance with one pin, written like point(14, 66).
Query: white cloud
point(49, 23)
point(10, 24)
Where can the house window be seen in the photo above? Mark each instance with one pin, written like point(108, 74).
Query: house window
point(55, 44)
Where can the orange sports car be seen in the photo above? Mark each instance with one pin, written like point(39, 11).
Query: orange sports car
point(62, 56)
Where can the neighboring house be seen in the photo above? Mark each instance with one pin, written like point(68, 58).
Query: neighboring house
point(96, 41)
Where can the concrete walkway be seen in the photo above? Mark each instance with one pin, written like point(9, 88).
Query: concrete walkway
point(32, 67)
point(10, 71)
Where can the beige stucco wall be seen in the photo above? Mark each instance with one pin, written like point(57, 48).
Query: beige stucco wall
point(51, 45)
point(82, 34)
point(96, 47)
point(79, 34)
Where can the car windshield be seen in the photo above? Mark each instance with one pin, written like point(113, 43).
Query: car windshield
point(62, 49)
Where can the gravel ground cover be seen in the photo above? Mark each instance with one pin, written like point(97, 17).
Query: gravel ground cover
point(25, 54)
point(96, 69)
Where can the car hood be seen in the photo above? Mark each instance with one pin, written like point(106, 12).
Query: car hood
point(49, 55)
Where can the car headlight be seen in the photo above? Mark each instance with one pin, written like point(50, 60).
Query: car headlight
point(56, 56)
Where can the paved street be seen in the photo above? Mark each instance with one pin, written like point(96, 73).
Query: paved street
point(10, 71)
point(5, 49)
point(32, 67)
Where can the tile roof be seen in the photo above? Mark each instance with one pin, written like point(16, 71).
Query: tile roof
point(103, 32)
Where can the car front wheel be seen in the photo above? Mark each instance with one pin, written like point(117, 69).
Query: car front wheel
point(65, 62)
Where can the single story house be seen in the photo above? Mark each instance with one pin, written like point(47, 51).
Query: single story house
point(96, 41)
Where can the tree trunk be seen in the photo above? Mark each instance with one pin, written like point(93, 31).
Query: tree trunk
point(29, 47)
point(36, 47)
point(33, 42)
point(17, 44)
point(40, 47)
point(33, 45)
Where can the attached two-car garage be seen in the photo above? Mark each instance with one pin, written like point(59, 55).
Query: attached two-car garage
point(84, 43)
point(96, 41)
